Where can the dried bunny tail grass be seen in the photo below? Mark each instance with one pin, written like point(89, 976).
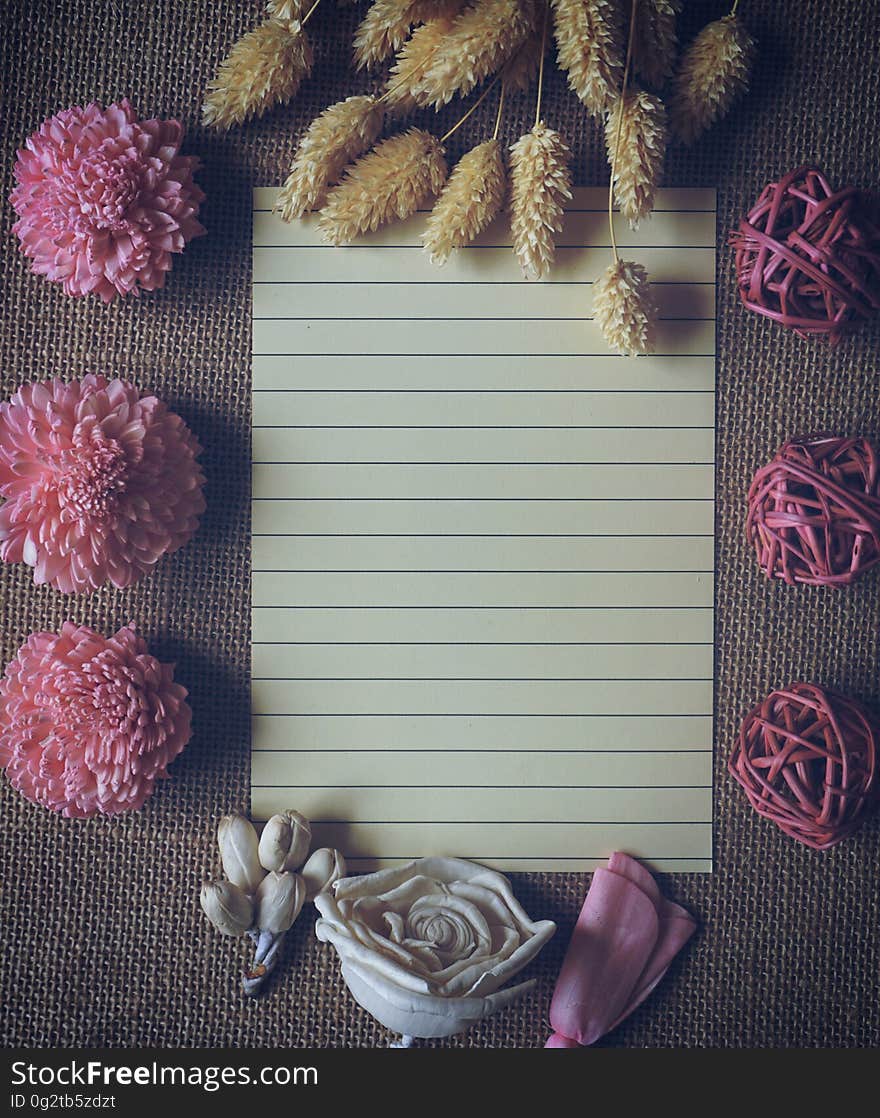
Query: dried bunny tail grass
point(520, 71)
point(713, 72)
point(470, 200)
point(264, 68)
point(391, 181)
point(334, 139)
point(288, 9)
point(411, 63)
point(482, 38)
point(540, 182)
point(655, 42)
point(589, 44)
point(623, 306)
point(385, 27)
point(640, 155)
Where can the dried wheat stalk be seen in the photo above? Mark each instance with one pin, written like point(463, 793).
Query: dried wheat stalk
point(713, 72)
point(639, 151)
point(391, 181)
point(334, 139)
point(589, 43)
point(386, 26)
point(264, 68)
point(655, 42)
point(623, 306)
point(540, 184)
point(470, 200)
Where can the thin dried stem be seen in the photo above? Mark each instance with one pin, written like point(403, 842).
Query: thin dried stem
point(498, 114)
point(541, 66)
point(470, 111)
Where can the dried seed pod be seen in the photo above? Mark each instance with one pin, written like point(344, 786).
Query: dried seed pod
point(335, 138)
point(279, 900)
point(284, 843)
point(623, 306)
point(323, 869)
point(229, 909)
point(391, 181)
point(238, 844)
point(470, 200)
point(540, 181)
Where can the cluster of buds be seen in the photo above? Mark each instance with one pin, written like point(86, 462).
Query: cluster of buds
point(268, 879)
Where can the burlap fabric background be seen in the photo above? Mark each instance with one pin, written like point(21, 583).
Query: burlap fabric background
point(103, 941)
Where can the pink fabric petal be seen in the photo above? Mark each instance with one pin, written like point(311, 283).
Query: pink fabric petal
point(559, 1041)
point(635, 872)
point(613, 940)
point(676, 928)
point(625, 924)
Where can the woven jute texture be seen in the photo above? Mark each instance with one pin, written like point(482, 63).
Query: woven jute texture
point(103, 940)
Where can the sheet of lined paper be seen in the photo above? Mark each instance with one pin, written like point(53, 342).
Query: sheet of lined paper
point(483, 546)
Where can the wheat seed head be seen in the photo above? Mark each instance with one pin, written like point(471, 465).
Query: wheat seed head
point(385, 27)
point(655, 42)
point(335, 138)
point(481, 39)
point(470, 200)
point(288, 9)
point(589, 44)
point(540, 183)
point(402, 91)
point(639, 156)
point(521, 69)
point(389, 182)
point(713, 72)
point(623, 306)
point(264, 68)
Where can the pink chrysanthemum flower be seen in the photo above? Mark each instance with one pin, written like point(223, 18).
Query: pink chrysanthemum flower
point(89, 724)
point(104, 199)
point(98, 482)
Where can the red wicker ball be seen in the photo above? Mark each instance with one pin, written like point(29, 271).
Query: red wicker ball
point(809, 257)
point(814, 511)
point(807, 759)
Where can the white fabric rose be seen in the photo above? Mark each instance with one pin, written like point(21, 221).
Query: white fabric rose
point(425, 947)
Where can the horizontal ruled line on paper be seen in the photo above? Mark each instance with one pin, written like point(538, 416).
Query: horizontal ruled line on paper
point(495, 785)
point(477, 714)
point(473, 248)
point(544, 752)
point(386, 606)
point(549, 282)
point(495, 644)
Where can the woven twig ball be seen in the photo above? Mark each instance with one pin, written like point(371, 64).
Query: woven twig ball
point(814, 511)
point(809, 257)
point(807, 759)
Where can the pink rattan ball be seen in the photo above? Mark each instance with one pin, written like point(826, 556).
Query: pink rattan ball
point(807, 759)
point(814, 511)
point(809, 257)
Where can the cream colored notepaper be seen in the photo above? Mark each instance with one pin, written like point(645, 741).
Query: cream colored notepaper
point(483, 546)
